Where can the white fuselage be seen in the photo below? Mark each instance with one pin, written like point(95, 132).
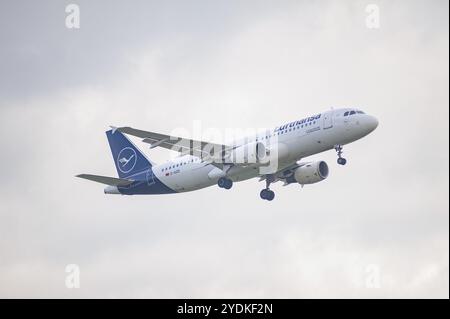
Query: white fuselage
point(188, 173)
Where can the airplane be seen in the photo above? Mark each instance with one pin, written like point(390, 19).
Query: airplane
point(272, 156)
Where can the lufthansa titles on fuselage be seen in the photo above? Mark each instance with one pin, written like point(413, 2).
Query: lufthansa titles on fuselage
point(299, 122)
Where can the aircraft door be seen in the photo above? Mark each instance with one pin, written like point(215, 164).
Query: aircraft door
point(328, 120)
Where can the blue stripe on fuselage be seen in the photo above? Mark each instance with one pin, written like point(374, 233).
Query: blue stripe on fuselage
point(145, 183)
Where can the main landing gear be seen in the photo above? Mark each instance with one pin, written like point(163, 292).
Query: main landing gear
point(225, 183)
point(266, 193)
point(340, 160)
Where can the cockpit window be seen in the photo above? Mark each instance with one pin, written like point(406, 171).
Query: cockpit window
point(352, 112)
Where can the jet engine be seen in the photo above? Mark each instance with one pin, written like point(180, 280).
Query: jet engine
point(310, 173)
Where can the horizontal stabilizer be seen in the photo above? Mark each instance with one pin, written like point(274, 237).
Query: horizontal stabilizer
point(107, 180)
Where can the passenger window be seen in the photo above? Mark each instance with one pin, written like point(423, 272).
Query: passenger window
point(346, 113)
point(352, 112)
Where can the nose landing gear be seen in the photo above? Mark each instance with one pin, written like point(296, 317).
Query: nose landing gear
point(340, 160)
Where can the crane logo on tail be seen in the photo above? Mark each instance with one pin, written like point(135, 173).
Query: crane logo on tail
point(126, 160)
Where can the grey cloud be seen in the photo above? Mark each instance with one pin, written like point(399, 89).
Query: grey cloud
point(161, 67)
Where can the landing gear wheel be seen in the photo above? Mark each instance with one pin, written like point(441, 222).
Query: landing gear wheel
point(267, 194)
point(225, 183)
point(263, 194)
point(341, 161)
point(228, 184)
point(221, 182)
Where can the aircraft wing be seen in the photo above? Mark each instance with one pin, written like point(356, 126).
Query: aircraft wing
point(175, 143)
point(112, 181)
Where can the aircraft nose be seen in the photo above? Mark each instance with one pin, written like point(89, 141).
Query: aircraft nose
point(371, 123)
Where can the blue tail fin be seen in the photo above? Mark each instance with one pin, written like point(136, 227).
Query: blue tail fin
point(127, 157)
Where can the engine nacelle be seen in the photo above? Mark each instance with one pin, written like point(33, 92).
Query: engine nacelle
point(251, 153)
point(311, 173)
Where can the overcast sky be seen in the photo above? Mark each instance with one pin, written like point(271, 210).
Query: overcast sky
point(378, 227)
